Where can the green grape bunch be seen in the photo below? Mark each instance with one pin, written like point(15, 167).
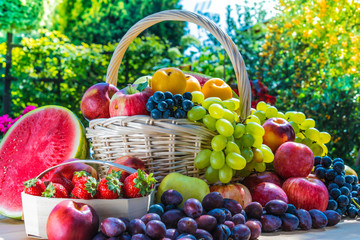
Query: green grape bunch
point(238, 148)
point(304, 128)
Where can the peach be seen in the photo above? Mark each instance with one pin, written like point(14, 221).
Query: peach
point(277, 131)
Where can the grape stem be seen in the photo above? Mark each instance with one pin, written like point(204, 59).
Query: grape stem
point(357, 205)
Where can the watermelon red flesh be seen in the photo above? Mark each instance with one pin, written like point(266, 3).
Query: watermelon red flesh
point(42, 138)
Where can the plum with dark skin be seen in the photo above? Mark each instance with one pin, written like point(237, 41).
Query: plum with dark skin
point(304, 217)
point(270, 223)
point(212, 200)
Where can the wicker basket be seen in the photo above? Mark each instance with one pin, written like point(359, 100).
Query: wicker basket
point(165, 145)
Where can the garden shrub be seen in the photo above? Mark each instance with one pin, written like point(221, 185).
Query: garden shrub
point(311, 60)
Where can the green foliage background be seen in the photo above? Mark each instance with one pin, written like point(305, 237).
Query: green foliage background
point(105, 21)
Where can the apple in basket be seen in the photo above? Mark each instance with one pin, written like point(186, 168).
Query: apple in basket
point(96, 100)
point(130, 101)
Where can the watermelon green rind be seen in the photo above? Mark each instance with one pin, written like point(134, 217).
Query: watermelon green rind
point(78, 150)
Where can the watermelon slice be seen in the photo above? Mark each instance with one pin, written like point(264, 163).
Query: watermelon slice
point(40, 139)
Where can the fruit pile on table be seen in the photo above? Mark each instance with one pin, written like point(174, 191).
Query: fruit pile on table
point(268, 172)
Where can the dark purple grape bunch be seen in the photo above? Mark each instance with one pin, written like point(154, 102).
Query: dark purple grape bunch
point(343, 189)
point(279, 215)
point(167, 105)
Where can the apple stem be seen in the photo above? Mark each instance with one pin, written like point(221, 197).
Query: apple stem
point(131, 90)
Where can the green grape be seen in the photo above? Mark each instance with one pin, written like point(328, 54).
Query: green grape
point(316, 149)
point(258, 140)
point(236, 117)
point(271, 112)
point(325, 137)
point(268, 155)
point(313, 134)
point(266, 146)
point(289, 115)
point(197, 97)
point(281, 115)
point(258, 155)
point(196, 113)
point(232, 147)
point(300, 135)
point(217, 159)
point(243, 173)
point(299, 117)
point(254, 129)
point(211, 175)
point(325, 150)
point(235, 161)
point(229, 115)
point(260, 167)
point(218, 142)
point(247, 153)
point(239, 130)
point(229, 104)
point(246, 140)
point(224, 127)
point(253, 118)
point(216, 111)
point(252, 110)
point(250, 166)
point(236, 101)
point(307, 123)
point(261, 106)
point(261, 115)
point(231, 138)
point(307, 142)
point(295, 126)
point(298, 139)
point(211, 100)
point(209, 122)
point(202, 160)
point(225, 174)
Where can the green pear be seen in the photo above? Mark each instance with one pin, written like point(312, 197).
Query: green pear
point(188, 187)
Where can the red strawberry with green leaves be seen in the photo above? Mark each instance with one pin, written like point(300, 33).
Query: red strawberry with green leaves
point(86, 188)
point(79, 175)
point(34, 187)
point(138, 184)
point(55, 190)
point(110, 186)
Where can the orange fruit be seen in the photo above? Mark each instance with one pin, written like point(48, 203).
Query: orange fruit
point(169, 79)
point(192, 84)
point(216, 87)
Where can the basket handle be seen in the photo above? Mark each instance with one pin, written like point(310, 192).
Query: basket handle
point(182, 15)
point(126, 169)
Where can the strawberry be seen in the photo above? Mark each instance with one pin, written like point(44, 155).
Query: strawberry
point(110, 186)
point(138, 184)
point(55, 190)
point(34, 187)
point(78, 175)
point(86, 188)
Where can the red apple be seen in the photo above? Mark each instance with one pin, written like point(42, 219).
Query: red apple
point(237, 192)
point(293, 160)
point(96, 100)
point(277, 131)
point(307, 193)
point(255, 178)
point(264, 192)
point(64, 174)
point(129, 161)
point(72, 220)
point(130, 102)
